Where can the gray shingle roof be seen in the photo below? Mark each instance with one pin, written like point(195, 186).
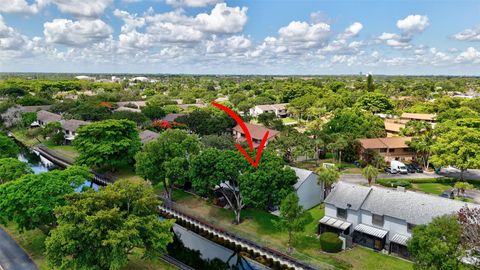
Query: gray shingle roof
point(171, 117)
point(47, 117)
point(344, 194)
point(72, 124)
point(302, 175)
point(147, 135)
point(414, 207)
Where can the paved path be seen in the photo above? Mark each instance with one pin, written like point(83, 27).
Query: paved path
point(12, 256)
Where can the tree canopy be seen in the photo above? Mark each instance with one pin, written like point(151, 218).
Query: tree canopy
point(12, 169)
point(99, 230)
point(109, 144)
point(8, 148)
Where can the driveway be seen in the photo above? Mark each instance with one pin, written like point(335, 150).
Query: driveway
point(12, 256)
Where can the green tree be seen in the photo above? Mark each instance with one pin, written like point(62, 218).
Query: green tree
point(416, 128)
point(328, 176)
point(153, 110)
point(54, 132)
point(458, 147)
point(109, 144)
point(370, 173)
point(165, 159)
point(375, 103)
point(12, 169)
point(293, 144)
point(462, 186)
point(293, 217)
point(28, 118)
point(8, 147)
point(139, 118)
point(29, 201)
point(112, 223)
point(221, 142)
point(422, 146)
point(437, 245)
point(370, 85)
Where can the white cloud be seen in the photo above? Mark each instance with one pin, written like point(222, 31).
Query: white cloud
point(352, 30)
point(223, 19)
point(468, 35)
point(413, 23)
point(387, 36)
point(192, 3)
point(18, 6)
point(131, 22)
point(303, 32)
point(9, 38)
point(469, 55)
point(76, 33)
point(82, 8)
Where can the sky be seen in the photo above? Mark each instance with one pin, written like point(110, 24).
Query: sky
point(298, 37)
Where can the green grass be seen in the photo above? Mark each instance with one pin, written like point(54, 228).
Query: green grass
point(363, 258)
point(21, 135)
point(432, 188)
point(67, 151)
point(289, 120)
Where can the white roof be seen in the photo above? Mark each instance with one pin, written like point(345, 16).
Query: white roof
point(400, 239)
point(334, 222)
point(371, 230)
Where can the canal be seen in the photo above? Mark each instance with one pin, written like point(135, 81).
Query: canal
point(188, 247)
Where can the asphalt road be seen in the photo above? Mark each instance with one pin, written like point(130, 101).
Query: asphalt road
point(359, 179)
point(471, 174)
point(12, 256)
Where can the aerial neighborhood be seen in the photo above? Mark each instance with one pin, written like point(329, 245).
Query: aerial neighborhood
point(239, 135)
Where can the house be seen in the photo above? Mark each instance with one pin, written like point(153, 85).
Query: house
point(132, 104)
point(256, 132)
point(381, 218)
point(14, 114)
point(127, 109)
point(425, 117)
point(45, 117)
point(391, 148)
point(70, 128)
point(147, 136)
point(309, 191)
point(280, 110)
point(392, 128)
point(171, 117)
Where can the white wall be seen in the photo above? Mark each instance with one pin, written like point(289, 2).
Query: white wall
point(330, 210)
point(310, 193)
point(391, 224)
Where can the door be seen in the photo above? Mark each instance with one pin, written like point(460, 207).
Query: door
point(378, 244)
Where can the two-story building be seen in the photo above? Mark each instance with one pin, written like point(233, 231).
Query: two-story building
point(425, 117)
point(70, 129)
point(391, 148)
point(392, 127)
point(280, 110)
point(256, 132)
point(381, 218)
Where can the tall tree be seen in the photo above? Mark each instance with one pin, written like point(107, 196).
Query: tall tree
point(109, 144)
point(99, 230)
point(375, 103)
point(328, 176)
point(437, 245)
point(8, 148)
point(29, 201)
point(293, 144)
point(458, 147)
point(370, 173)
point(370, 85)
point(293, 217)
point(422, 146)
point(12, 169)
point(166, 159)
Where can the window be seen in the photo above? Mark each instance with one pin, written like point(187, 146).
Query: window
point(391, 150)
point(377, 220)
point(410, 227)
point(383, 150)
point(342, 213)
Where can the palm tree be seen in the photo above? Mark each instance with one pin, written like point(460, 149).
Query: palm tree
point(370, 172)
point(328, 176)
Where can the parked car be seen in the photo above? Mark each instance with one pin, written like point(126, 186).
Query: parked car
point(445, 194)
point(390, 170)
point(398, 166)
point(411, 168)
point(417, 168)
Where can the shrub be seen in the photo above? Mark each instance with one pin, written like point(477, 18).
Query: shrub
point(402, 183)
point(330, 242)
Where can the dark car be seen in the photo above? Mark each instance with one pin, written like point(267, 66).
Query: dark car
point(411, 168)
point(418, 168)
point(445, 194)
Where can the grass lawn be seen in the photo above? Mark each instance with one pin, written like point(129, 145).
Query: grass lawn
point(432, 188)
point(67, 151)
point(21, 135)
point(258, 226)
point(289, 121)
point(33, 243)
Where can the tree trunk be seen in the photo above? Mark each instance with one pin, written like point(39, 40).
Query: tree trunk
point(237, 216)
point(461, 173)
point(166, 191)
point(369, 181)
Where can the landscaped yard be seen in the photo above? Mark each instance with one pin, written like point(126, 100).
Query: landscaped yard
point(432, 188)
point(67, 151)
point(257, 225)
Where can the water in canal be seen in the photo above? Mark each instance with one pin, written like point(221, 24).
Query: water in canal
point(188, 247)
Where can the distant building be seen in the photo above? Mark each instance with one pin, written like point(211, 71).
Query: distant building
point(381, 218)
point(128, 109)
point(132, 104)
point(70, 128)
point(425, 117)
point(171, 117)
point(392, 128)
point(147, 136)
point(256, 132)
point(45, 117)
point(391, 148)
point(309, 191)
point(280, 110)
point(85, 78)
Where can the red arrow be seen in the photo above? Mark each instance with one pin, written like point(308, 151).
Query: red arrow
point(247, 135)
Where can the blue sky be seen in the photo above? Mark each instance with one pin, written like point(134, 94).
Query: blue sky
point(240, 37)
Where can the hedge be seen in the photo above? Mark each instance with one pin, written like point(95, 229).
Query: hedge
point(330, 242)
point(394, 182)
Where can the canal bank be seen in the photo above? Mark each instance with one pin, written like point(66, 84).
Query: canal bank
point(202, 253)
